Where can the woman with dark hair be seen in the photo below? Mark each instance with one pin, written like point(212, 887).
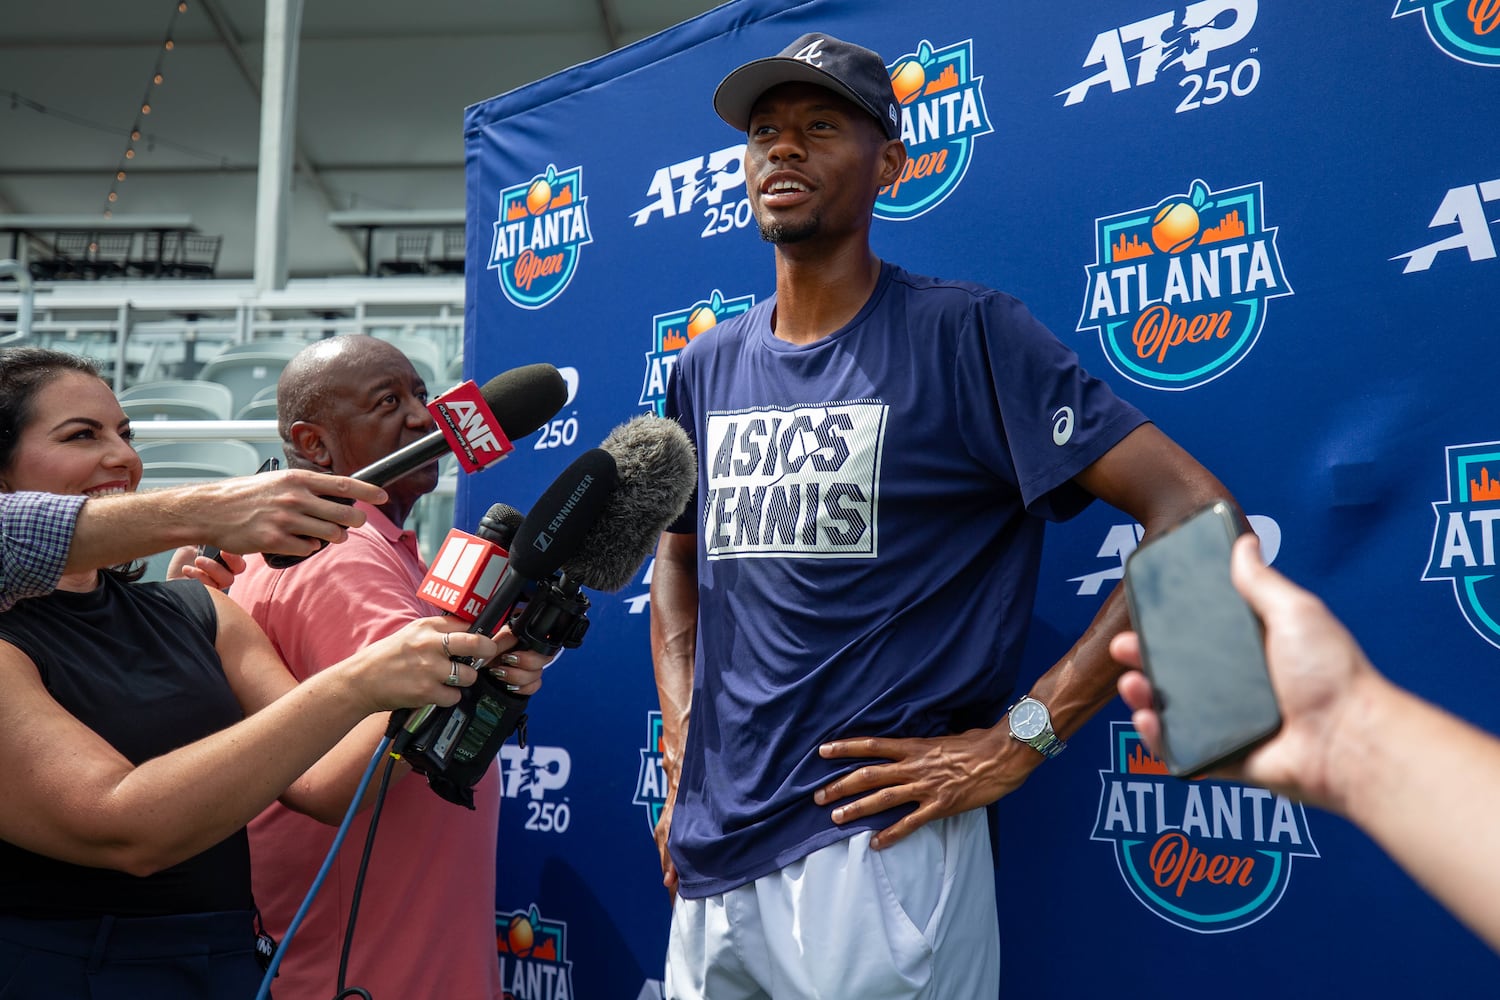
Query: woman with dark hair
point(143, 725)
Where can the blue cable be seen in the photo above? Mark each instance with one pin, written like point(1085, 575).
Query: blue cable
point(338, 841)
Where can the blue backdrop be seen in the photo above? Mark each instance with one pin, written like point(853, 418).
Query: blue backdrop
point(1270, 225)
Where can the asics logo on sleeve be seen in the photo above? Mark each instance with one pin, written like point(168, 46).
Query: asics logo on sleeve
point(1062, 426)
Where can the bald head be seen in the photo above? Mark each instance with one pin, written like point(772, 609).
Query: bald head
point(349, 401)
point(342, 387)
point(316, 375)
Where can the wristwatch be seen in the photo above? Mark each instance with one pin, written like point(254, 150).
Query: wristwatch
point(1031, 723)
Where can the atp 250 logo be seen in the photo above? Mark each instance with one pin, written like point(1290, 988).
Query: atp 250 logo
point(1178, 290)
point(1207, 856)
point(1463, 206)
point(540, 229)
point(1188, 40)
point(943, 112)
point(1467, 30)
point(1463, 540)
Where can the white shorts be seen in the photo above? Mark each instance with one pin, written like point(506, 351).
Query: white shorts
point(915, 921)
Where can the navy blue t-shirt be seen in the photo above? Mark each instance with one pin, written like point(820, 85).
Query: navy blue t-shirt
point(869, 512)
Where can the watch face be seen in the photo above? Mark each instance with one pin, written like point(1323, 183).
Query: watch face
point(1028, 718)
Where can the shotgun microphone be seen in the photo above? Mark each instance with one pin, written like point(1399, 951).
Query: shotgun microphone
point(654, 470)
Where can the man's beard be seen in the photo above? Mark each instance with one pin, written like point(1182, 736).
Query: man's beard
point(780, 233)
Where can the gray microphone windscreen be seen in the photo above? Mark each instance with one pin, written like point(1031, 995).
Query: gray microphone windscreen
point(658, 470)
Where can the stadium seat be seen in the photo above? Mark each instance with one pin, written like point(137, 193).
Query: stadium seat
point(452, 260)
point(262, 405)
point(197, 459)
point(185, 399)
point(249, 367)
point(107, 255)
point(411, 254)
point(425, 356)
point(198, 256)
point(70, 253)
point(159, 255)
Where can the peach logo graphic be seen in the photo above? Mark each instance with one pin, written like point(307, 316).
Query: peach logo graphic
point(1467, 30)
point(671, 332)
point(1207, 856)
point(541, 226)
point(1178, 291)
point(533, 956)
point(942, 113)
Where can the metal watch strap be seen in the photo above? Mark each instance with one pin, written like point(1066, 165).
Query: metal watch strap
point(1047, 744)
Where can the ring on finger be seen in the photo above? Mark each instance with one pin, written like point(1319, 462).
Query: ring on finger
point(452, 680)
point(446, 651)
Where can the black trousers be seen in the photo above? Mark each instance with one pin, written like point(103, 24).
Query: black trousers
point(196, 956)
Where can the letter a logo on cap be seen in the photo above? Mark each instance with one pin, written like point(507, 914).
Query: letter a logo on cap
point(811, 53)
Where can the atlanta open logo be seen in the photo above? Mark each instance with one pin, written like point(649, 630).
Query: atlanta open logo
point(651, 781)
point(1178, 290)
point(1207, 856)
point(533, 956)
point(541, 226)
point(1467, 30)
point(671, 332)
point(942, 114)
point(1463, 540)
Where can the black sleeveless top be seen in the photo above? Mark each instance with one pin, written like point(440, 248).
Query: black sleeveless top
point(136, 664)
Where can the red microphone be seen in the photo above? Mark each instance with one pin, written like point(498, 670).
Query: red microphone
point(470, 427)
point(464, 575)
point(476, 424)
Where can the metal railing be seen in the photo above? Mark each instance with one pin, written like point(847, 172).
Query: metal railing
point(149, 330)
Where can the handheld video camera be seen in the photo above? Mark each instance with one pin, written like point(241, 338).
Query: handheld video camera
point(454, 746)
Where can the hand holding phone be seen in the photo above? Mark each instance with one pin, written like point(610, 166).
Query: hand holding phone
point(1201, 645)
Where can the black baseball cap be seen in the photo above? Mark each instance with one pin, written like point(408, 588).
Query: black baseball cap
point(842, 67)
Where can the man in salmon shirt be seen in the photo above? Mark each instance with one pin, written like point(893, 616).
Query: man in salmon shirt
point(429, 892)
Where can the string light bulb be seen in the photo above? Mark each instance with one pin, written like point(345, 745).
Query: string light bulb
point(157, 77)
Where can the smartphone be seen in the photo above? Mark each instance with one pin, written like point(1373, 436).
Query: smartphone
point(1201, 645)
